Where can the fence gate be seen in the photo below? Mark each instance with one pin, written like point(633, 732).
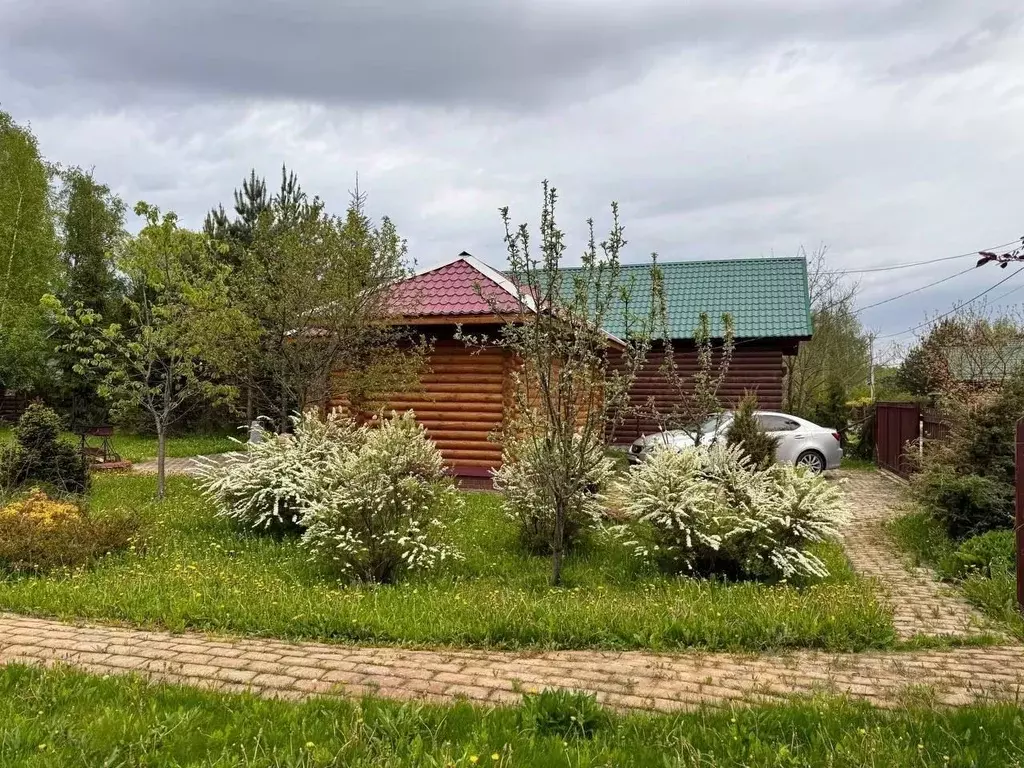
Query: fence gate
point(895, 425)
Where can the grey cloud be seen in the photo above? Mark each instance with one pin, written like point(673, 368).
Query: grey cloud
point(500, 53)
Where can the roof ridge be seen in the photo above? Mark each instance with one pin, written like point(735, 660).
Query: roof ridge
point(745, 259)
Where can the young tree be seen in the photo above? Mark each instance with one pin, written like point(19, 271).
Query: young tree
point(565, 390)
point(180, 336)
point(693, 397)
point(317, 289)
point(28, 253)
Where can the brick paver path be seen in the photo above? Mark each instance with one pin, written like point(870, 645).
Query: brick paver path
point(921, 605)
point(630, 680)
point(179, 465)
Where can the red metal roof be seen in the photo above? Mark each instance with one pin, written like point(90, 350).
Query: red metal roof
point(450, 289)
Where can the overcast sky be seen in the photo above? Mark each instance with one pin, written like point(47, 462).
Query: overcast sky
point(890, 130)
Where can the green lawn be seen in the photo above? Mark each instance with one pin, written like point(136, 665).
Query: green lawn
point(64, 718)
point(137, 448)
point(927, 542)
point(199, 572)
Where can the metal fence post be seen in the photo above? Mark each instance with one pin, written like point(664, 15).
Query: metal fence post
point(1018, 476)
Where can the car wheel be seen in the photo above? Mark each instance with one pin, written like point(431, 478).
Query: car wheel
point(813, 460)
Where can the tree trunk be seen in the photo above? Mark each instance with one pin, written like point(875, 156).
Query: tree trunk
point(248, 404)
point(558, 548)
point(161, 457)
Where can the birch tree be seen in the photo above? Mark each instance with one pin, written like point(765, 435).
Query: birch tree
point(28, 252)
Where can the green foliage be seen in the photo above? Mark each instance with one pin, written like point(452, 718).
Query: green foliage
point(989, 554)
point(529, 498)
point(39, 534)
point(28, 254)
point(711, 512)
point(838, 350)
point(315, 286)
point(833, 411)
point(983, 566)
point(63, 718)
point(93, 228)
point(373, 515)
point(562, 714)
point(966, 505)
point(39, 455)
point(180, 333)
point(201, 572)
point(746, 432)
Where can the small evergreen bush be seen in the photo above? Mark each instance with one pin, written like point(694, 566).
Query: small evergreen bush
point(40, 456)
point(524, 480)
point(376, 516)
point(39, 534)
point(745, 432)
point(966, 505)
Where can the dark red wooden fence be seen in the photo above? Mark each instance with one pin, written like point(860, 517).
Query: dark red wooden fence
point(896, 425)
point(12, 404)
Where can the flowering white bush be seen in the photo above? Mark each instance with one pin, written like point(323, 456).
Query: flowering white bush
point(379, 517)
point(710, 511)
point(269, 486)
point(524, 479)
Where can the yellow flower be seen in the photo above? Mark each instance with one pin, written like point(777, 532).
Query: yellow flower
point(473, 759)
point(495, 756)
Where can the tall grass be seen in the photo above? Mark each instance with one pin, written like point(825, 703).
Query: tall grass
point(63, 718)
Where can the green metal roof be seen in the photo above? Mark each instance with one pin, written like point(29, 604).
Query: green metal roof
point(767, 298)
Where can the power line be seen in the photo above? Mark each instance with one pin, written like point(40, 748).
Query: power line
point(955, 309)
point(915, 290)
point(918, 263)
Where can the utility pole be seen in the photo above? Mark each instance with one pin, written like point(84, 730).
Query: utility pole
point(871, 364)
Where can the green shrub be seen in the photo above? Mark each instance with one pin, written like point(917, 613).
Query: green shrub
point(989, 554)
point(966, 505)
point(711, 512)
point(40, 456)
point(745, 432)
point(40, 534)
point(376, 515)
point(527, 466)
point(268, 487)
point(563, 714)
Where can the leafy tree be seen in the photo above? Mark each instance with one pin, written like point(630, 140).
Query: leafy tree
point(28, 253)
point(566, 390)
point(833, 410)
point(93, 227)
point(838, 350)
point(180, 335)
point(317, 289)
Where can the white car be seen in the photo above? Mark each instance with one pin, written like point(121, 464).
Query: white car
point(801, 442)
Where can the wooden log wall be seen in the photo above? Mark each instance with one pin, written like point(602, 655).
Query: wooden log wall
point(755, 366)
point(460, 401)
point(12, 404)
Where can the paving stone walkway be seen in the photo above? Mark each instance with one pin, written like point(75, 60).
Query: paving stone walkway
point(179, 465)
point(627, 680)
point(921, 604)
